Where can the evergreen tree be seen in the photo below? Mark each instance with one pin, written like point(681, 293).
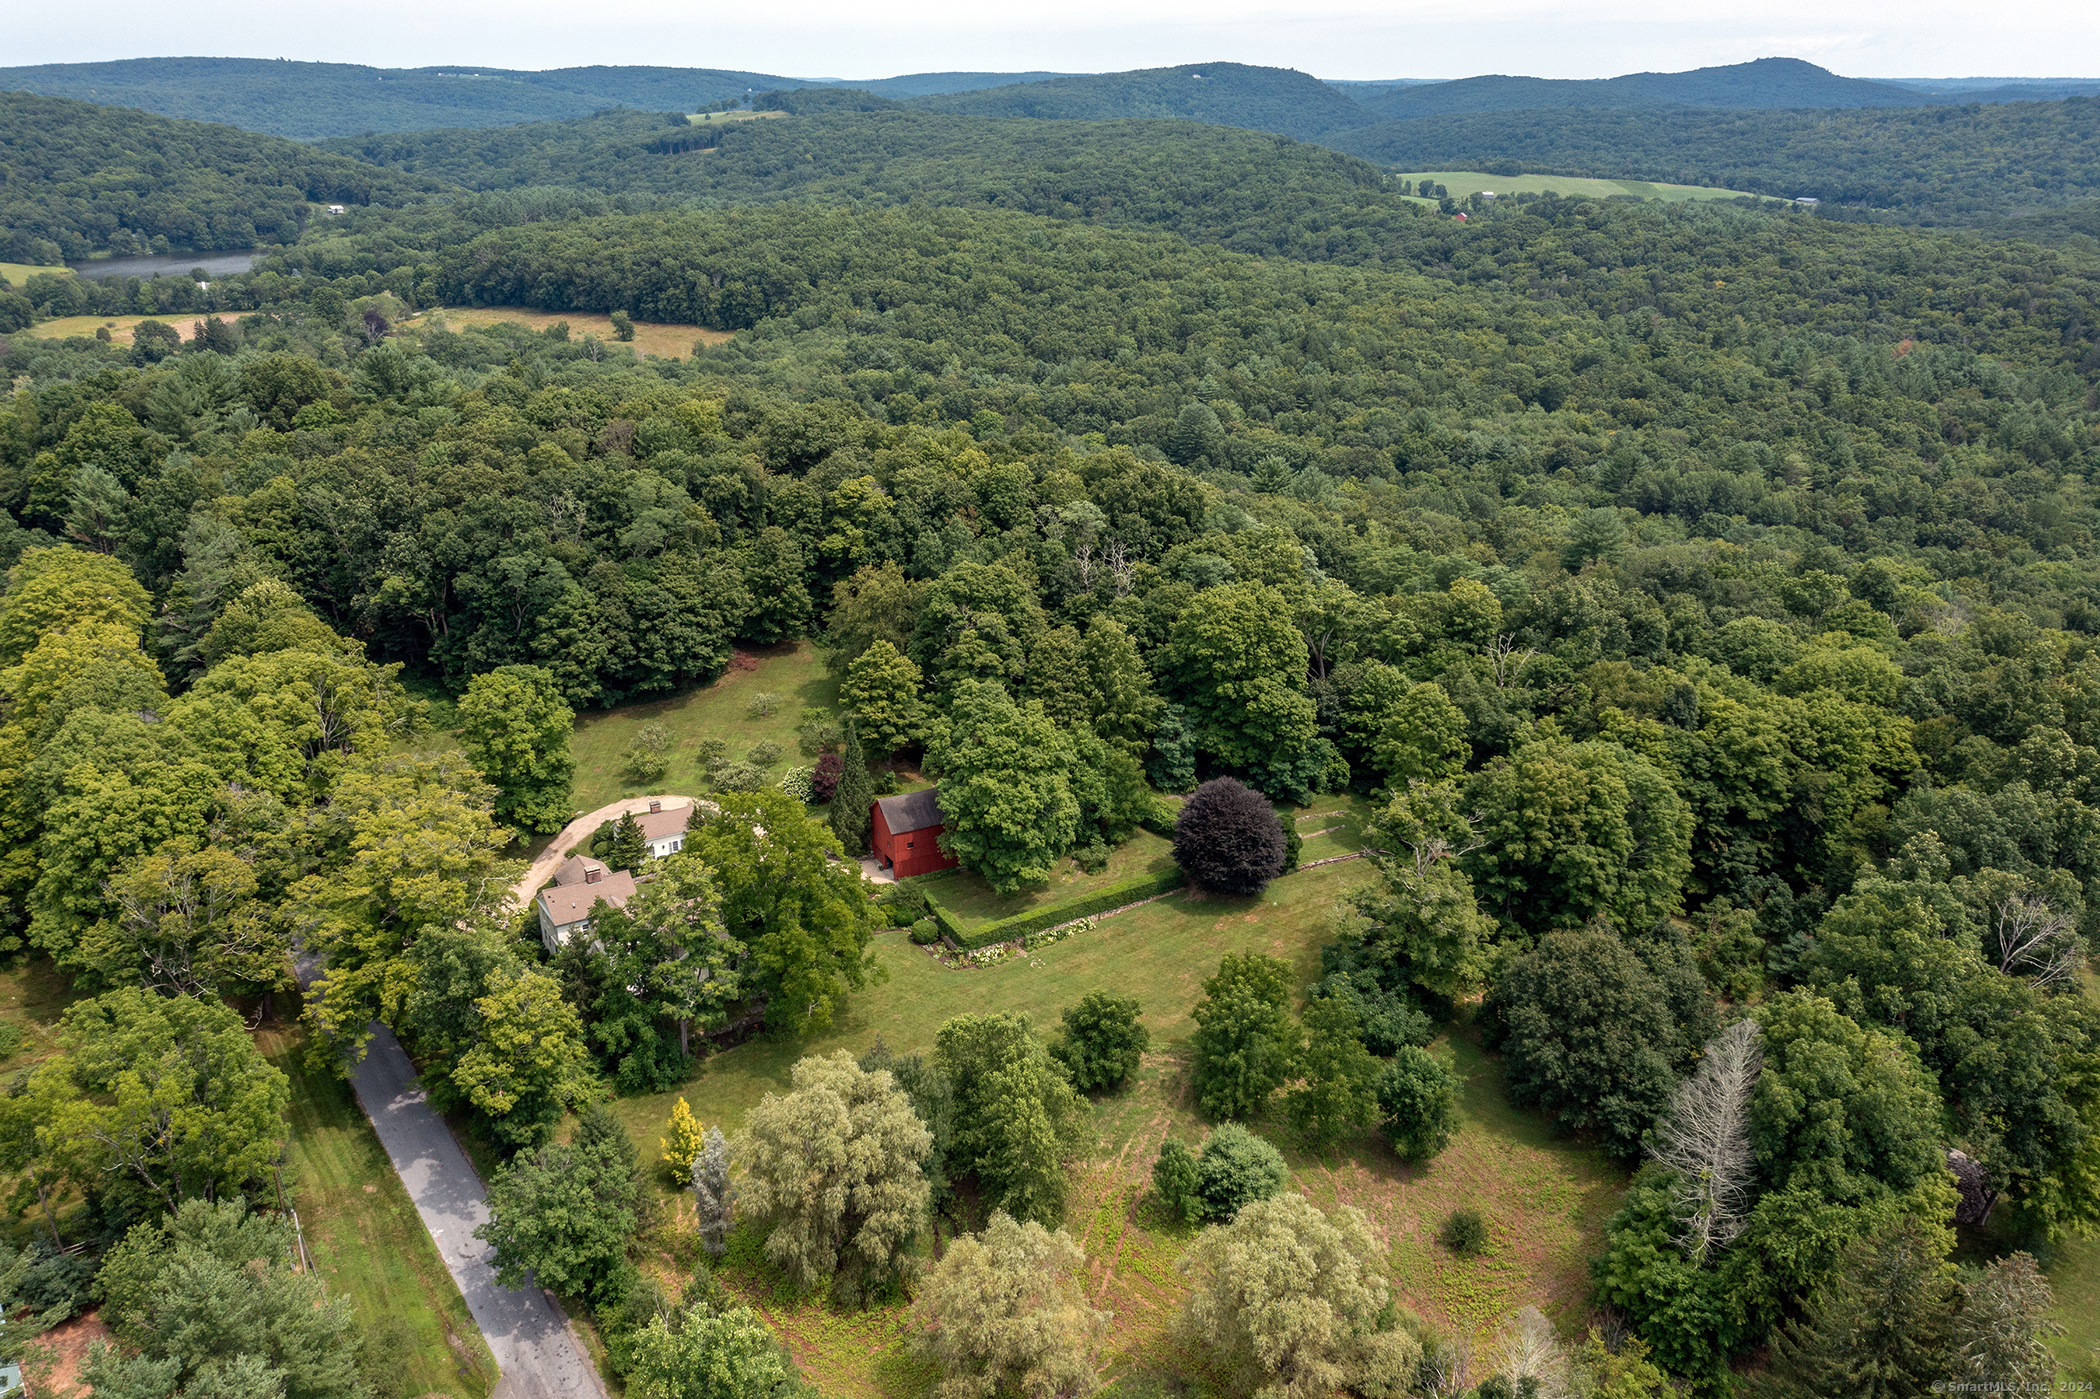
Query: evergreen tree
point(1880, 1330)
point(630, 851)
point(853, 796)
point(682, 1140)
point(715, 1195)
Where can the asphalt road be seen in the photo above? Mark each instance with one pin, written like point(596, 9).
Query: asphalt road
point(534, 1350)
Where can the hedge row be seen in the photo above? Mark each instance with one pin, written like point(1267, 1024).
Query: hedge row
point(1128, 891)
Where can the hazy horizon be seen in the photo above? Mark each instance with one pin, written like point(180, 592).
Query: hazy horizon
point(1346, 40)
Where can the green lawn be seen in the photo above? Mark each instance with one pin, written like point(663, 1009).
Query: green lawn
point(366, 1238)
point(1546, 1198)
point(1460, 183)
point(33, 994)
point(18, 273)
point(795, 673)
point(972, 902)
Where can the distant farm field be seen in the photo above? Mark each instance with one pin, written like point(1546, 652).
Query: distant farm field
point(1460, 183)
point(20, 272)
point(651, 339)
point(723, 118)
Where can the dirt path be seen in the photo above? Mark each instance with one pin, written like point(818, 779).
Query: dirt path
point(579, 830)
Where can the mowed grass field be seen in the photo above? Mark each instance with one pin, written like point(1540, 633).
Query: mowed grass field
point(365, 1236)
point(20, 272)
point(120, 327)
point(727, 118)
point(651, 338)
point(1330, 826)
point(793, 672)
point(1546, 1198)
point(1460, 183)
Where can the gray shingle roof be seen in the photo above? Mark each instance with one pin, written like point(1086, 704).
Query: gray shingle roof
point(914, 811)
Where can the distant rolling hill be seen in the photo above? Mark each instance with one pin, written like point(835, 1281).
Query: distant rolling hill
point(307, 101)
point(935, 84)
point(1939, 164)
point(1777, 83)
point(81, 178)
point(1279, 100)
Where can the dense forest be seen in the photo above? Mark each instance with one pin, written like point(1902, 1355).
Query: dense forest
point(82, 178)
point(1705, 598)
point(1769, 83)
point(1281, 100)
point(1933, 165)
point(307, 101)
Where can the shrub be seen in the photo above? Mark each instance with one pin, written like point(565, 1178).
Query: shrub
point(1227, 839)
point(883, 782)
point(1102, 1041)
point(737, 777)
point(763, 705)
point(820, 732)
point(1091, 857)
point(1237, 1167)
point(711, 751)
point(648, 756)
point(796, 783)
point(824, 777)
point(765, 754)
point(925, 932)
point(1418, 1102)
point(1175, 1182)
point(1388, 1020)
point(1464, 1232)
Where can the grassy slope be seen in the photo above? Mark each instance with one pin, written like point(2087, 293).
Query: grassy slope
point(366, 1237)
point(795, 673)
point(650, 338)
point(1461, 183)
point(1330, 826)
point(1547, 1198)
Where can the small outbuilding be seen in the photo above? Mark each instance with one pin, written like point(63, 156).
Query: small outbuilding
point(906, 834)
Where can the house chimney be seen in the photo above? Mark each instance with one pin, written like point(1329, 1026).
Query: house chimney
point(590, 876)
point(656, 806)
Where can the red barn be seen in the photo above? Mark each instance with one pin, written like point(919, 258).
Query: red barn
point(905, 831)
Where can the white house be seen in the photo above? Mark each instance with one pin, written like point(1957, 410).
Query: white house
point(565, 905)
point(664, 830)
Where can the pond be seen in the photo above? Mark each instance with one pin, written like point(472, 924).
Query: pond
point(219, 264)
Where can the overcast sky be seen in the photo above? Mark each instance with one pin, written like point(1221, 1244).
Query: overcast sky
point(858, 39)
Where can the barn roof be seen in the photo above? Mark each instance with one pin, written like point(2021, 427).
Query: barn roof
point(914, 811)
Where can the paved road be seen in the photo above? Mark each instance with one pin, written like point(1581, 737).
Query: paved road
point(577, 831)
point(537, 1355)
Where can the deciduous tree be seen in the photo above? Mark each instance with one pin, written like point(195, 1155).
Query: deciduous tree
point(1102, 1041)
point(804, 918)
point(515, 725)
point(1289, 1299)
point(832, 1170)
point(1006, 1311)
point(882, 691)
point(1228, 839)
point(1245, 1036)
point(1004, 787)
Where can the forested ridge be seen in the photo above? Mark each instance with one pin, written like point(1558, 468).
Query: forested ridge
point(1935, 165)
point(80, 178)
point(1705, 598)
